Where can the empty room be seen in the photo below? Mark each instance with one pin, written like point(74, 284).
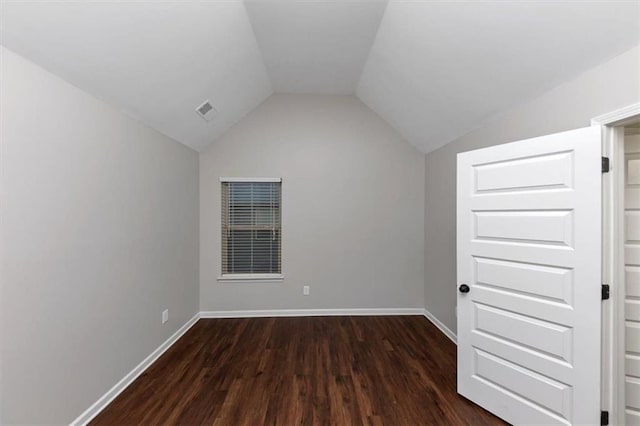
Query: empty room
point(319, 212)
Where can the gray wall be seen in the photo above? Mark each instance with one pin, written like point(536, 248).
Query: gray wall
point(353, 206)
point(605, 88)
point(99, 235)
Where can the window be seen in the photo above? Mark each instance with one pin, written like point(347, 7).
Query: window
point(251, 228)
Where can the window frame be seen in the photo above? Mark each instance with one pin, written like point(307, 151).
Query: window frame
point(243, 277)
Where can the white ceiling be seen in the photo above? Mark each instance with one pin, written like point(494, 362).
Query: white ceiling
point(315, 46)
point(155, 60)
point(434, 69)
point(439, 69)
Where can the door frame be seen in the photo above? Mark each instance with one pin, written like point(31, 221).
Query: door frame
point(613, 270)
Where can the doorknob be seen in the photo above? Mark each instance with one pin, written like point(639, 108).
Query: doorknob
point(464, 288)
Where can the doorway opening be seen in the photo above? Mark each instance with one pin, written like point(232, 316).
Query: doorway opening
point(621, 265)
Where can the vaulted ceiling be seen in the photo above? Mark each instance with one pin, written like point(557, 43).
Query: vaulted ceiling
point(433, 69)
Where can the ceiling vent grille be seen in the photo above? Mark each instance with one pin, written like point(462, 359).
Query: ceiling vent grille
point(206, 111)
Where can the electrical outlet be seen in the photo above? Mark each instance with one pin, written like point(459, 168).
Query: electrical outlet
point(305, 290)
point(165, 316)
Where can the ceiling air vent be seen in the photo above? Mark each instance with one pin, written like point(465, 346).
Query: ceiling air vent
point(206, 111)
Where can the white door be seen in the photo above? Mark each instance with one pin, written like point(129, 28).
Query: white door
point(529, 250)
point(632, 280)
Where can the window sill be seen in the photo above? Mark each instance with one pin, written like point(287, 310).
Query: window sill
point(252, 278)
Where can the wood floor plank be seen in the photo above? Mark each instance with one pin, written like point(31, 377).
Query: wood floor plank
point(397, 370)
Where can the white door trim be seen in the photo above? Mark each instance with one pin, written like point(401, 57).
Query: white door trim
point(613, 345)
point(619, 117)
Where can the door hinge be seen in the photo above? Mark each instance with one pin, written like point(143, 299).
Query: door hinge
point(605, 292)
point(605, 165)
point(604, 418)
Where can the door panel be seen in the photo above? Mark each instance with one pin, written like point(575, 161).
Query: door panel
point(534, 227)
point(526, 305)
point(632, 337)
point(633, 365)
point(529, 247)
point(534, 280)
point(544, 171)
point(555, 396)
point(542, 336)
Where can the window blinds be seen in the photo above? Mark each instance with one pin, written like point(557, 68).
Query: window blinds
point(251, 233)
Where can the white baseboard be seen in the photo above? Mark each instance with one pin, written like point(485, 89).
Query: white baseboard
point(450, 334)
point(106, 399)
point(310, 312)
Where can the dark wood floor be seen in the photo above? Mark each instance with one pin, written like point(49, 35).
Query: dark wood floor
point(313, 370)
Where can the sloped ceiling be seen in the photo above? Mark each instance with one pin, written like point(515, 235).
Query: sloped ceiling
point(433, 69)
point(155, 60)
point(315, 46)
point(439, 69)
